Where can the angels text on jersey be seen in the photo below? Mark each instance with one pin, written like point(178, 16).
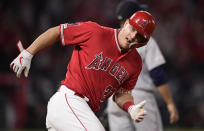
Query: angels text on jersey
point(116, 70)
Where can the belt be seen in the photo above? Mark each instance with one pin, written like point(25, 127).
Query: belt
point(63, 88)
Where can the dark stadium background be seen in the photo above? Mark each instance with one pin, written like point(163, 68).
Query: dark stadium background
point(179, 32)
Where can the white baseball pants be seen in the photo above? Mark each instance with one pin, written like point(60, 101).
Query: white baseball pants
point(69, 112)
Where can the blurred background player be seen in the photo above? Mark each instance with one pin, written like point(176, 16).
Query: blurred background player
point(152, 75)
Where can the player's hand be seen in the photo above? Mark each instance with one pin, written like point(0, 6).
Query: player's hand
point(22, 62)
point(174, 115)
point(137, 112)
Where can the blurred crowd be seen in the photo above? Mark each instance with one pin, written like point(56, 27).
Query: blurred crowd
point(179, 32)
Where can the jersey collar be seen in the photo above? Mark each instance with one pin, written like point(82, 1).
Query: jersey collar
point(116, 39)
point(116, 31)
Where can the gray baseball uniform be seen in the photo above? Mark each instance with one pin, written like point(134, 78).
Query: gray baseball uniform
point(144, 90)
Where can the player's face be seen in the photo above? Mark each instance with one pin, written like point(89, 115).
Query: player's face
point(130, 38)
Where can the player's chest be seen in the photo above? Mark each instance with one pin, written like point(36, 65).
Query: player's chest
point(115, 68)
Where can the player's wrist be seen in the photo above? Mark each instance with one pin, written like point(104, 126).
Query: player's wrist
point(27, 54)
point(127, 106)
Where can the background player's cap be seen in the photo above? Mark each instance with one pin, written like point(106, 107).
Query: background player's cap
point(127, 8)
point(143, 22)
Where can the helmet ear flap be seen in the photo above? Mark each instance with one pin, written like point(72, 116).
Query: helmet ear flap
point(143, 22)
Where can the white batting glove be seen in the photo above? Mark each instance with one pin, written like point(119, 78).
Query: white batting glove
point(22, 62)
point(137, 112)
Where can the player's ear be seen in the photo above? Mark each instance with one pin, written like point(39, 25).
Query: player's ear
point(126, 22)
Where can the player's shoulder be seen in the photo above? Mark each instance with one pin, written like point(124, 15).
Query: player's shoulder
point(151, 45)
point(152, 41)
point(91, 23)
point(98, 27)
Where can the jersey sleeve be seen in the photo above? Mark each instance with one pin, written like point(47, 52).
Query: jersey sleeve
point(75, 33)
point(158, 76)
point(153, 56)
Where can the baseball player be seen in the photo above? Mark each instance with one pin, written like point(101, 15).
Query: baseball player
point(104, 62)
point(152, 75)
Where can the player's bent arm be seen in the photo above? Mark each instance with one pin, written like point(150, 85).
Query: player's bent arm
point(122, 98)
point(23, 61)
point(125, 101)
point(166, 95)
point(46, 39)
point(160, 79)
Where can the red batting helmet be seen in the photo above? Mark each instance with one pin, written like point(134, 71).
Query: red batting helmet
point(143, 22)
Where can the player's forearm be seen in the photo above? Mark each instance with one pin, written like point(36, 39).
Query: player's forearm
point(121, 99)
point(165, 93)
point(125, 102)
point(46, 39)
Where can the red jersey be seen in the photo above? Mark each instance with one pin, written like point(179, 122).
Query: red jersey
point(98, 68)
